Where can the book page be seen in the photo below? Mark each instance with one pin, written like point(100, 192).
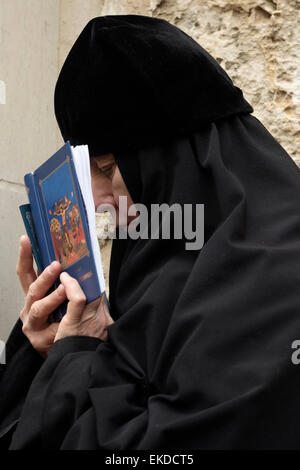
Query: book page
point(81, 161)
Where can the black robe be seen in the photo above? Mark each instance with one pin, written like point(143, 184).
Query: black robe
point(199, 356)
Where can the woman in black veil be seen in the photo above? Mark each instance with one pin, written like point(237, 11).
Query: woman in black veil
point(199, 353)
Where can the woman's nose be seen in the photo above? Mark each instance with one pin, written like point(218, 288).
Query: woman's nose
point(103, 199)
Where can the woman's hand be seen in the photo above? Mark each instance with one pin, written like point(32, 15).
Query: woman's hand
point(38, 305)
point(81, 319)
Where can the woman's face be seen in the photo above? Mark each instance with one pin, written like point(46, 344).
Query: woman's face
point(108, 185)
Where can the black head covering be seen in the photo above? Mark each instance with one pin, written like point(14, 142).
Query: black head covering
point(131, 81)
point(199, 356)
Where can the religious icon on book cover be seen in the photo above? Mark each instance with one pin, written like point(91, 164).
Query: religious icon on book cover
point(65, 222)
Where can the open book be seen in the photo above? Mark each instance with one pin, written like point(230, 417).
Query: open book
point(60, 219)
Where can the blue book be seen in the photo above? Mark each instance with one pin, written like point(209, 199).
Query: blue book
point(60, 220)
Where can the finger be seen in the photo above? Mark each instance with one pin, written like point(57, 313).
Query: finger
point(41, 309)
point(76, 297)
point(42, 341)
point(24, 267)
point(39, 288)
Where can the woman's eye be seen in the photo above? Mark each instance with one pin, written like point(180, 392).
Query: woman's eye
point(106, 170)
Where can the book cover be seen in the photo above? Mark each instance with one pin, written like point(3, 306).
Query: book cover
point(61, 222)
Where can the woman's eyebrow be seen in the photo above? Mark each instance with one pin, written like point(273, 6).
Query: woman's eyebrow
point(104, 159)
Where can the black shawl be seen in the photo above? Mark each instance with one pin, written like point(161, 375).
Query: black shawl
point(199, 356)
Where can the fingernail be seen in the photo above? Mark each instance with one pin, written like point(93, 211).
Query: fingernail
point(53, 267)
point(50, 268)
point(64, 275)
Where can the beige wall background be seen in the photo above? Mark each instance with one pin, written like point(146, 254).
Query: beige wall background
point(256, 42)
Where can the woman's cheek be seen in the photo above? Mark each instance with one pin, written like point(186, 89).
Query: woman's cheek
point(117, 183)
point(119, 189)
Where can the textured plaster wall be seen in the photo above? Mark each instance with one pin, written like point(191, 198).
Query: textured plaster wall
point(256, 41)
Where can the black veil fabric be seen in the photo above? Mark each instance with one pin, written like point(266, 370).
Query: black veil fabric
point(199, 356)
point(132, 81)
point(216, 326)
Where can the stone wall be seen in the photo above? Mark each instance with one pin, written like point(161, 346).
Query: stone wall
point(256, 41)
